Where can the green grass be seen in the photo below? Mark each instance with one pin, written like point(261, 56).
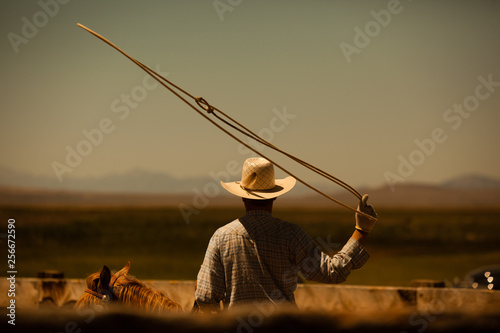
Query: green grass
point(405, 245)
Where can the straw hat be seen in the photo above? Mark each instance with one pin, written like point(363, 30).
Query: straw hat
point(258, 182)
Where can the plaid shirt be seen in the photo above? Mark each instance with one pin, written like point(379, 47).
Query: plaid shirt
point(257, 258)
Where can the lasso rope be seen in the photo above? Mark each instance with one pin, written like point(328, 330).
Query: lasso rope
point(212, 110)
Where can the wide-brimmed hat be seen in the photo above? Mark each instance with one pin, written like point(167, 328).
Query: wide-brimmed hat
point(258, 182)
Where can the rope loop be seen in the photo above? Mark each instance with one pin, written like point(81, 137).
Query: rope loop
point(202, 103)
point(227, 120)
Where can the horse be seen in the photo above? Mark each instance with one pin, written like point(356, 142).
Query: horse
point(104, 288)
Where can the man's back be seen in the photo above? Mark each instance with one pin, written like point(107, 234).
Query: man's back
point(257, 257)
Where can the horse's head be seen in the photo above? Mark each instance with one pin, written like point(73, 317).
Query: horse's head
point(103, 287)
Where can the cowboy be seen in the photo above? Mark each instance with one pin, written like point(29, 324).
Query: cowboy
point(257, 258)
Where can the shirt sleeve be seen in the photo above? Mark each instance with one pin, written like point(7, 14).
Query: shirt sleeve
point(211, 287)
point(315, 265)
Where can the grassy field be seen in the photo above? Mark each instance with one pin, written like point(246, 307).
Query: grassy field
point(405, 245)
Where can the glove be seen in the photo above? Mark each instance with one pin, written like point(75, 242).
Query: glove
point(364, 223)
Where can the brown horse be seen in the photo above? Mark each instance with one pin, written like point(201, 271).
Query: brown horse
point(104, 288)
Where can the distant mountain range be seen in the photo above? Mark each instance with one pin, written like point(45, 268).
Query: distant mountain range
point(136, 181)
point(142, 188)
point(472, 182)
point(141, 181)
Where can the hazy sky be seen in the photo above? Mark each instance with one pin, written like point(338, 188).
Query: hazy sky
point(346, 85)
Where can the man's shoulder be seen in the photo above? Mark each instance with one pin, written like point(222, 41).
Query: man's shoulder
point(230, 228)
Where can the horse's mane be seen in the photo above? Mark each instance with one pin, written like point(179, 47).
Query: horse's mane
point(137, 294)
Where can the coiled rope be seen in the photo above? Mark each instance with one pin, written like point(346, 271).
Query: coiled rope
point(226, 119)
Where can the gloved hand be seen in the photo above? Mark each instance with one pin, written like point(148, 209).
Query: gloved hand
point(364, 223)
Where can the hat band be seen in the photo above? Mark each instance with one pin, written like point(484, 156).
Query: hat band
point(275, 188)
